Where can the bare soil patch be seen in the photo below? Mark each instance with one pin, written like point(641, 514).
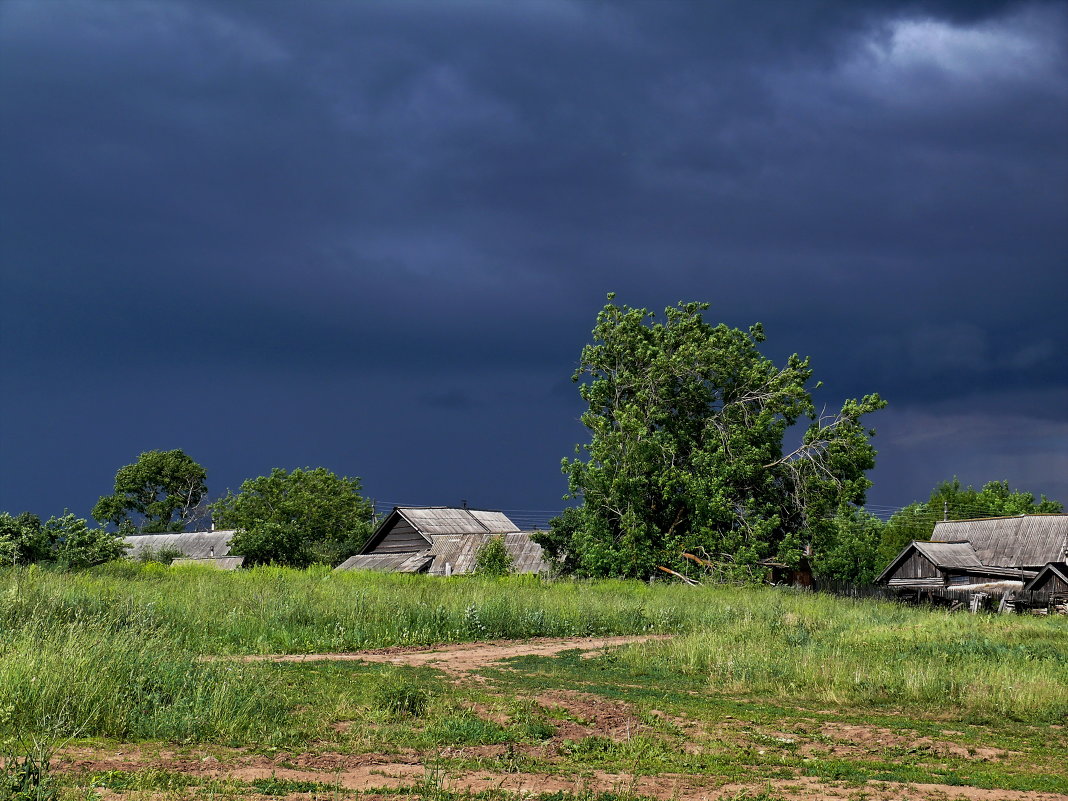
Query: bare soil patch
point(460, 659)
point(851, 738)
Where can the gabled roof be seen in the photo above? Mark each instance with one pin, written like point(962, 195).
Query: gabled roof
point(949, 554)
point(943, 555)
point(1026, 540)
point(192, 544)
point(431, 521)
point(1059, 569)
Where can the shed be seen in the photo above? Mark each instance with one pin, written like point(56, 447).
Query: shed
point(442, 540)
point(1050, 586)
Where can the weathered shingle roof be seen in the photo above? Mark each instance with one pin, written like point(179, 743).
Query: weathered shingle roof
point(949, 554)
point(460, 552)
point(389, 562)
point(431, 520)
point(192, 544)
point(1028, 540)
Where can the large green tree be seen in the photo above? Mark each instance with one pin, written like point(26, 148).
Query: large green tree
point(162, 491)
point(296, 518)
point(687, 424)
point(951, 500)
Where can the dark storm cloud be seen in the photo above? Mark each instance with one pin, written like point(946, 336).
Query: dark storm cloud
point(414, 198)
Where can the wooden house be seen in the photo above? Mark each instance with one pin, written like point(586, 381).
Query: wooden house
point(443, 540)
point(1000, 554)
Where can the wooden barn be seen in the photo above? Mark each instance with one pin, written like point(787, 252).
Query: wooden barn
point(199, 547)
point(1050, 587)
point(998, 555)
point(443, 541)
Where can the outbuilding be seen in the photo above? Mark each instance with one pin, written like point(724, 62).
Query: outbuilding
point(444, 541)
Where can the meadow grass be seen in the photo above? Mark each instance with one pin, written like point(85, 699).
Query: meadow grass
point(782, 645)
point(115, 651)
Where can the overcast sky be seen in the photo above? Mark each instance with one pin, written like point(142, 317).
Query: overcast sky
point(374, 236)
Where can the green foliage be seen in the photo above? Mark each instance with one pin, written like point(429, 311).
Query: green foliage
point(77, 545)
point(296, 519)
point(687, 423)
point(951, 500)
point(23, 540)
point(67, 540)
point(160, 556)
point(26, 772)
point(493, 559)
point(845, 547)
point(162, 491)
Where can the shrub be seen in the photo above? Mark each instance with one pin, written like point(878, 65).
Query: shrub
point(493, 559)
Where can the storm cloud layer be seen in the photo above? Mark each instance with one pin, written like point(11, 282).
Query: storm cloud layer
point(374, 236)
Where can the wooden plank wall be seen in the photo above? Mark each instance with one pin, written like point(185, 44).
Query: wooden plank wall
point(916, 566)
point(401, 538)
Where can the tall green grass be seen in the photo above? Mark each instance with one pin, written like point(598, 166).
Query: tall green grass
point(114, 650)
point(271, 610)
point(781, 646)
point(92, 679)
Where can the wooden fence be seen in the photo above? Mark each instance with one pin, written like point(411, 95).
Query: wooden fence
point(971, 600)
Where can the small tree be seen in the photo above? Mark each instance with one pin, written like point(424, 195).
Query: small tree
point(161, 491)
point(493, 559)
point(23, 541)
point(296, 518)
point(77, 545)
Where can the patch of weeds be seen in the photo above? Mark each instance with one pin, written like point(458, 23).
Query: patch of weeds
point(774, 741)
point(746, 795)
point(529, 721)
point(26, 773)
point(276, 786)
point(397, 692)
point(465, 728)
point(587, 748)
point(144, 780)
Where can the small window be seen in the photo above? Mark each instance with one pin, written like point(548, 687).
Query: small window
point(958, 579)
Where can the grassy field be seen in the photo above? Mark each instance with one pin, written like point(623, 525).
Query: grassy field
point(760, 693)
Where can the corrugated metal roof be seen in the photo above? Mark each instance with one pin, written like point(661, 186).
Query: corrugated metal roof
point(388, 562)
point(1025, 541)
point(460, 551)
point(431, 520)
point(193, 544)
point(949, 554)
